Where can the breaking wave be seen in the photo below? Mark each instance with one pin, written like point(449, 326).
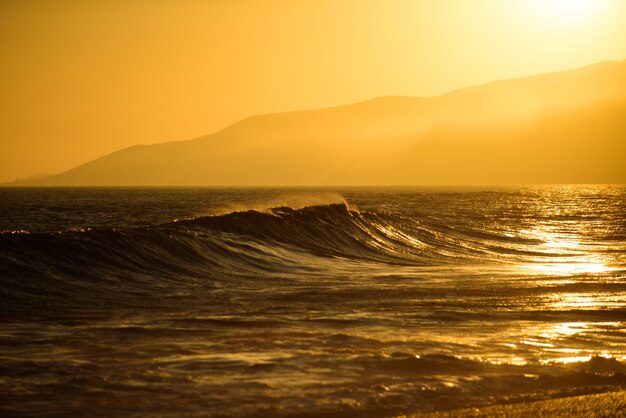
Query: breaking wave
point(252, 241)
point(246, 245)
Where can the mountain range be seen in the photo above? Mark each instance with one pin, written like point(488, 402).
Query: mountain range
point(566, 127)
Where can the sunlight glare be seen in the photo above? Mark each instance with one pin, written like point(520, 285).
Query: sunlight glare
point(566, 267)
point(567, 360)
point(565, 10)
point(566, 255)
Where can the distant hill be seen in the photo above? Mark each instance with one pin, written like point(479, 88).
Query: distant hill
point(567, 127)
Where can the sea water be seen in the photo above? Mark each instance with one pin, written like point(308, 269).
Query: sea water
point(363, 302)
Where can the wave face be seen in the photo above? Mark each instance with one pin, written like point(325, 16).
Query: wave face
point(238, 245)
point(312, 307)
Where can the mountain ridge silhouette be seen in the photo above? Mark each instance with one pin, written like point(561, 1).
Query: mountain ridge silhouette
point(564, 127)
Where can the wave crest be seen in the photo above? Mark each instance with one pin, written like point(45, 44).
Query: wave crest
point(244, 245)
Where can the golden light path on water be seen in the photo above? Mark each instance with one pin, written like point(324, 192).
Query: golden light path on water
point(566, 342)
point(567, 255)
point(563, 254)
point(572, 330)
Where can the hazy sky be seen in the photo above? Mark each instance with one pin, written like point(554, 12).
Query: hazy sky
point(79, 79)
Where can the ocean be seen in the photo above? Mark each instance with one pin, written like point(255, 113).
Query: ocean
point(308, 302)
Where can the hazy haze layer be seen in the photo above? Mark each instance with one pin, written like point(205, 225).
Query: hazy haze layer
point(557, 128)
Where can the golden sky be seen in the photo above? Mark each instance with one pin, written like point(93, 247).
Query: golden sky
point(80, 79)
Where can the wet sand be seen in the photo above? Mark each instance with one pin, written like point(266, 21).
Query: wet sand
point(612, 404)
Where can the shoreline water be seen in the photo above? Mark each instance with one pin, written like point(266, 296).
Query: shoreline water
point(598, 405)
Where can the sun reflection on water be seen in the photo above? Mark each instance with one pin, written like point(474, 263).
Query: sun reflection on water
point(566, 329)
point(567, 266)
point(577, 301)
point(567, 360)
point(567, 342)
point(562, 253)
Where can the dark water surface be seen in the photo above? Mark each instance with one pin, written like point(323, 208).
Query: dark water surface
point(308, 302)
